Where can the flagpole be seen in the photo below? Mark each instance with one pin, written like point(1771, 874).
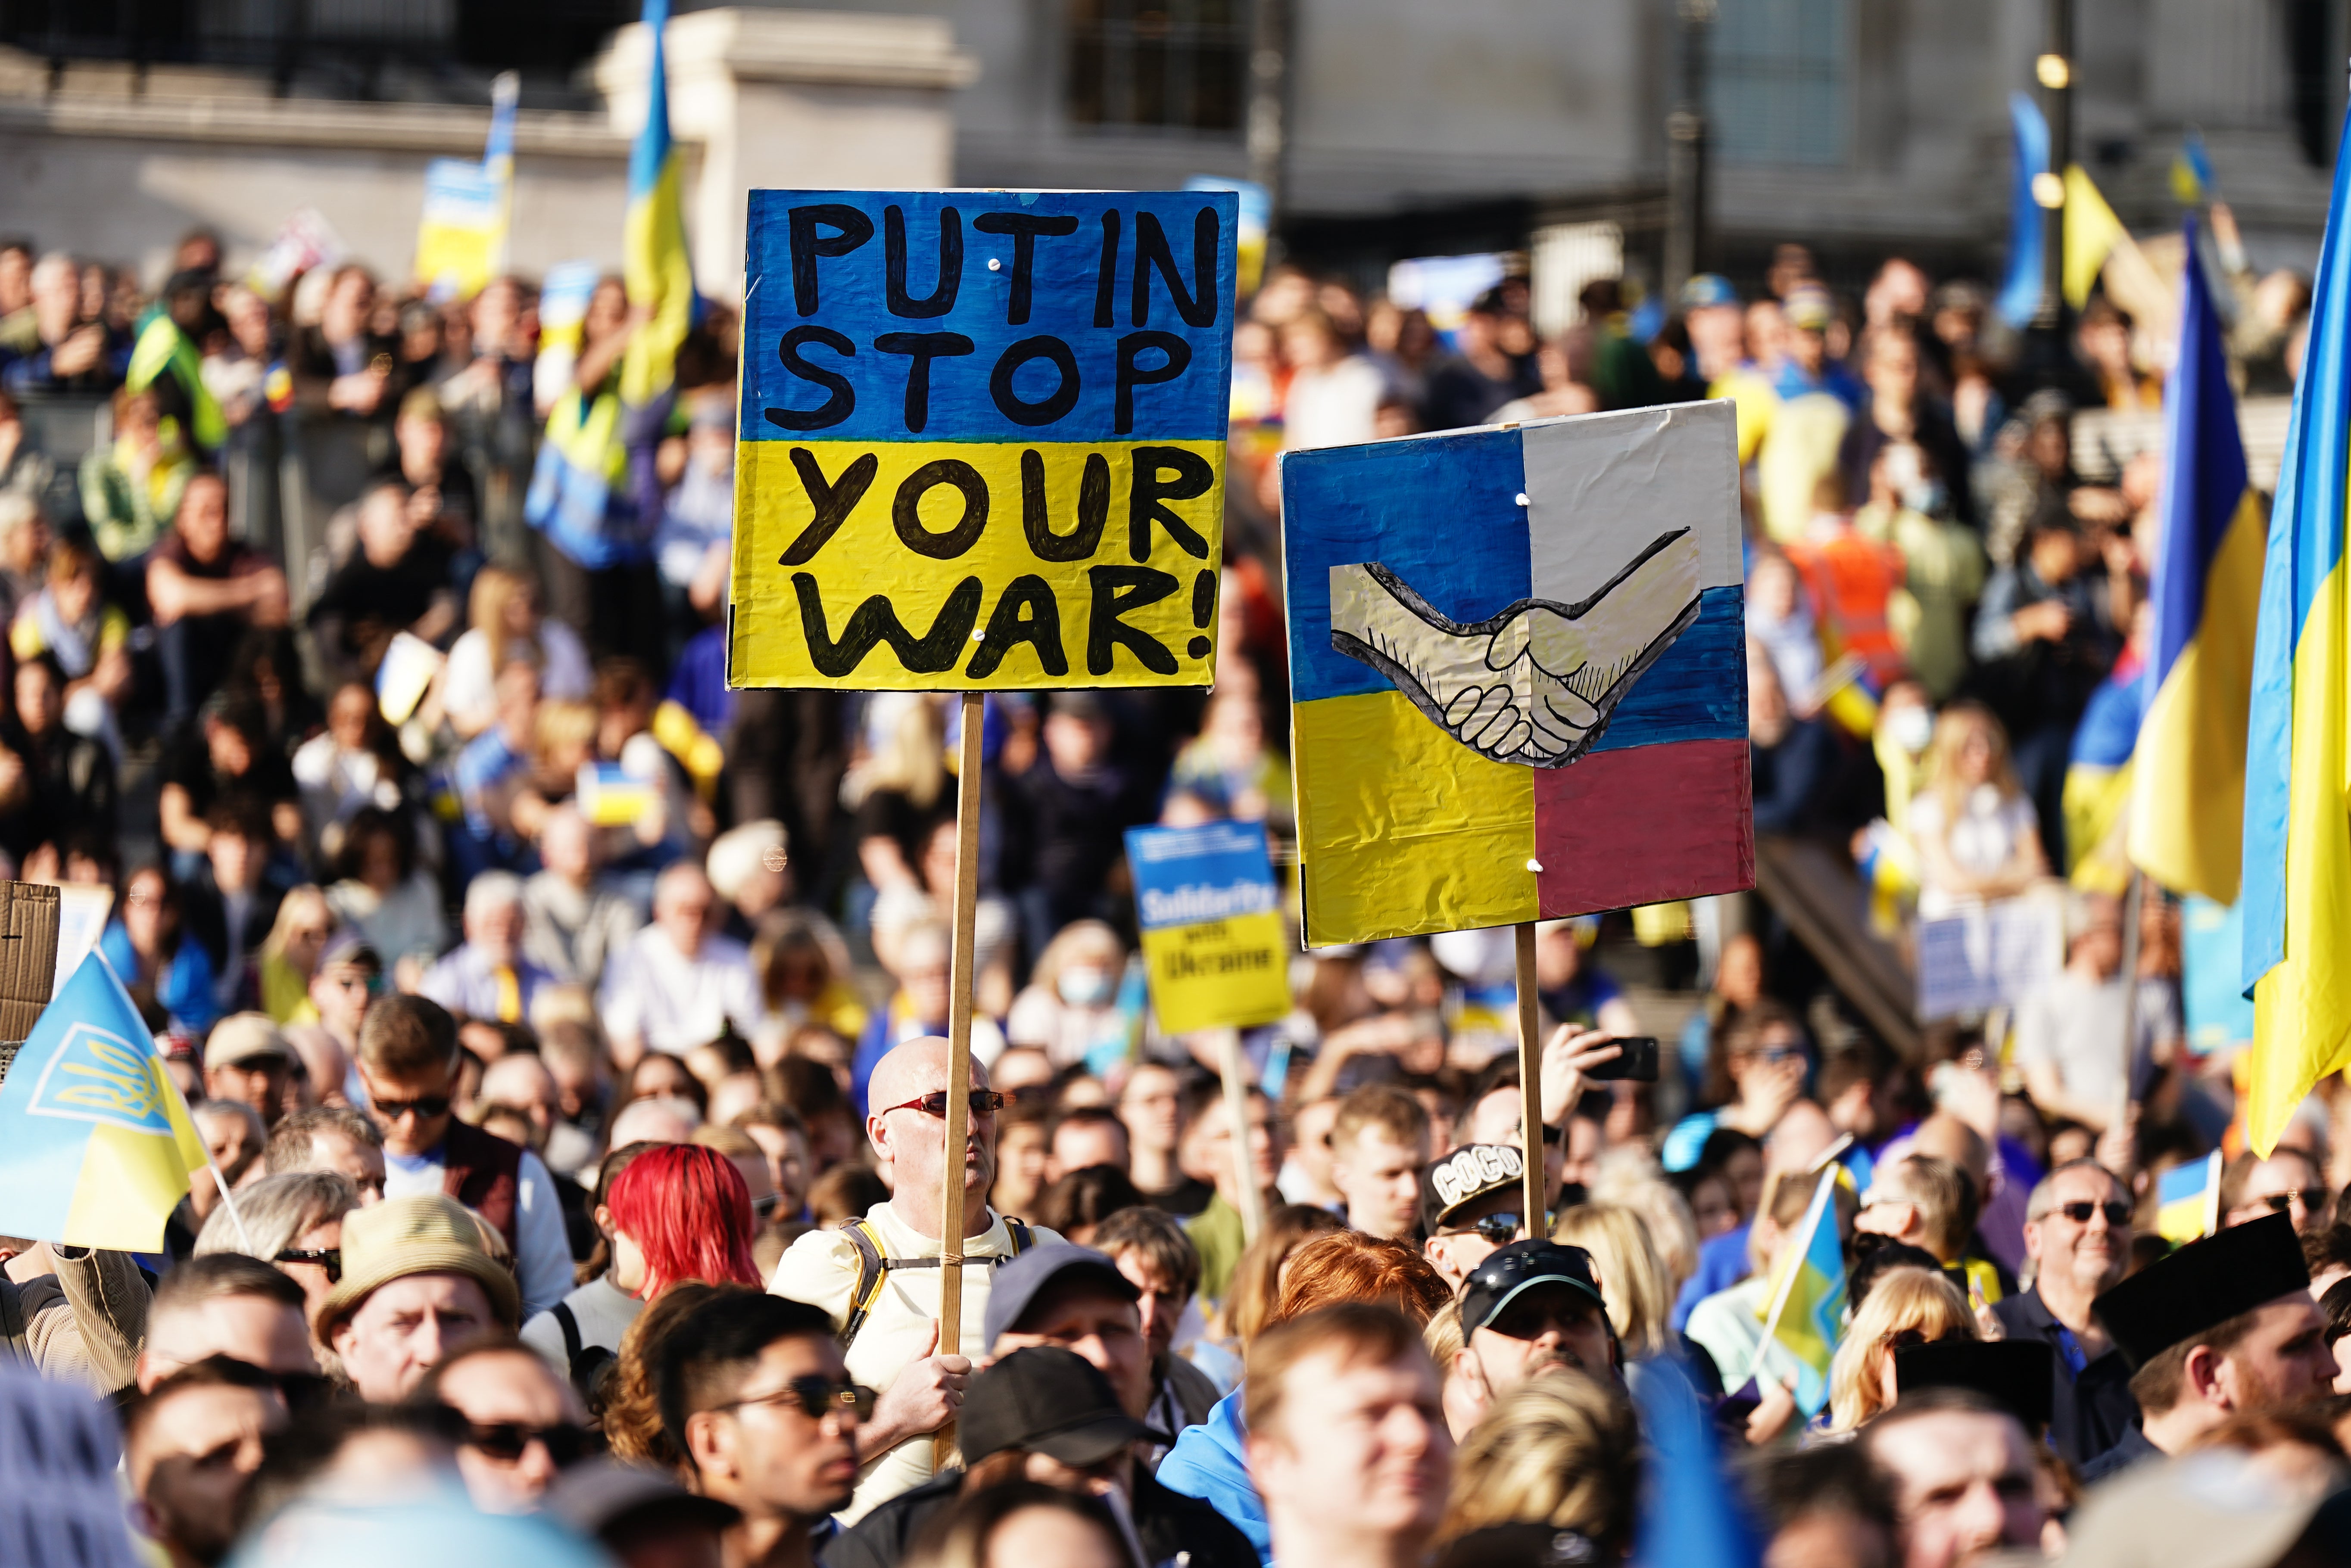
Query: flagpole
point(958, 1085)
point(244, 1236)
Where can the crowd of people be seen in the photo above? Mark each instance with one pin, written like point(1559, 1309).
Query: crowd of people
point(564, 1028)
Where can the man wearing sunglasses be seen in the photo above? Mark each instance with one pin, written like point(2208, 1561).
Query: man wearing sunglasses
point(885, 1301)
point(2077, 1232)
point(1533, 1308)
point(408, 1063)
point(1472, 1204)
point(521, 1425)
point(753, 1392)
point(2288, 1183)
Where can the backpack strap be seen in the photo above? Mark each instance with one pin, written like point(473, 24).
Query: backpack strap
point(873, 1266)
point(570, 1324)
point(1022, 1237)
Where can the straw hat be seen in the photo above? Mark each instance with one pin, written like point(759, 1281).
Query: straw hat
point(425, 1234)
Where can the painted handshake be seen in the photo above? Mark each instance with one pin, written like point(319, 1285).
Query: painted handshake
point(1533, 685)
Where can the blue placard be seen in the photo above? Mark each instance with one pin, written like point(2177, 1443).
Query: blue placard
point(1187, 876)
point(987, 315)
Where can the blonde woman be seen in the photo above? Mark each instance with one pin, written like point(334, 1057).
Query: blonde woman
point(1905, 1307)
point(1069, 1007)
point(1631, 1176)
point(1633, 1278)
point(290, 953)
point(1563, 1450)
point(504, 625)
point(1973, 825)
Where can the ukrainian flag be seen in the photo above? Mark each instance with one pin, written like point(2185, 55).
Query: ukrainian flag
point(1807, 1310)
point(2187, 794)
point(96, 1145)
point(2297, 842)
point(2188, 1200)
point(579, 493)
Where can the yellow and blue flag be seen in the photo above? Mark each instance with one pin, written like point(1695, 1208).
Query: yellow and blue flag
point(460, 239)
point(580, 492)
point(2188, 1200)
point(2192, 171)
point(1807, 1310)
point(96, 1145)
point(2188, 791)
point(2297, 842)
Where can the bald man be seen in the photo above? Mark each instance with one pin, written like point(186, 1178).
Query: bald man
point(888, 1315)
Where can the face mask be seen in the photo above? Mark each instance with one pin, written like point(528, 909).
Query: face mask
point(1927, 497)
point(1910, 728)
point(1084, 987)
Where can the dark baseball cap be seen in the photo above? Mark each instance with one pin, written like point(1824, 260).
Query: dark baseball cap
point(1048, 1400)
point(604, 1498)
point(1018, 1283)
point(1466, 1175)
point(1520, 1267)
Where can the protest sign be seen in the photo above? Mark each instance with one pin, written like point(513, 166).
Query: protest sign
point(981, 438)
point(1518, 664)
point(1212, 938)
point(1991, 956)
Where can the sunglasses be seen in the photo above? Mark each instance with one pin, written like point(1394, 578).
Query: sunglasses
point(2117, 1212)
point(425, 1106)
point(330, 1259)
point(1911, 1338)
point(2280, 1202)
point(1497, 1228)
point(984, 1103)
point(815, 1396)
point(507, 1441)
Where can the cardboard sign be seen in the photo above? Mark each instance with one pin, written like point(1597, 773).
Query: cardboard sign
point(982, 439)
point(1991, 956)
point(1517, 661)
point(1212, 938)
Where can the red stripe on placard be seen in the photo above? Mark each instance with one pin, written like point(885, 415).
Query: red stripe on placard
point(1643, 826)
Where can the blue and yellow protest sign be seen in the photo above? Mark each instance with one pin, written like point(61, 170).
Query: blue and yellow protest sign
point(96, 1144)
point(1212, 938)
point(1517, 660)
point(982, 439)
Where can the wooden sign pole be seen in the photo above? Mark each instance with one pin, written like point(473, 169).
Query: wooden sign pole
point(1228, 1063)
point(960, 980)
point(1530, 1122)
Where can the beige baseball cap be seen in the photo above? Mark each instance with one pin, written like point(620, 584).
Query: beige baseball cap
point(425, 1234)
point(247, 1037)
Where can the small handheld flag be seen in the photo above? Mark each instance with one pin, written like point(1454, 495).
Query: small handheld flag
point(1807, 1311)
point(2188, 1200)
point(96, 1144)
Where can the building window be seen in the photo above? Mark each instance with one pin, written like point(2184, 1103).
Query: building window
point(1780, 81)
point(1171, 65)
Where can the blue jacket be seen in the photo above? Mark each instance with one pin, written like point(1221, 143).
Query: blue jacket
point(1208, 1462)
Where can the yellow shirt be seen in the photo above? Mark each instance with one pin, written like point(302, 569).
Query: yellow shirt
point(820, 1268)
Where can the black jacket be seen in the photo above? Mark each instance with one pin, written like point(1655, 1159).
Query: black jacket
point(1167, 1522)
point(2090, 1413)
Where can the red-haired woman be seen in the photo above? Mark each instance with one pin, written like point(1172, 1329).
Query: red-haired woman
point(667, 1212)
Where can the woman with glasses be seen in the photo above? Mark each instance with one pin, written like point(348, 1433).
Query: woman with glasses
point(1905, 1307)
point(294, 1220)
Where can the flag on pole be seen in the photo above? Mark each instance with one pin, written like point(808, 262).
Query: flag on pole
point(2188, 1200)
point(2188, 799)
point(653, 258)
point(460, 239)
point(2192, 171)
point(2091, 231)
point(2297, 842)
point(2020, 292)
point(1807, 1310)
point(96, 1145)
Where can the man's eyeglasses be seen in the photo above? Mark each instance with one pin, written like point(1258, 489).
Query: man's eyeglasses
point(2117, 1212)
point(1500, 1229)
point(507, 1441)
point(327, 1258)
point(984, 1103)
point(2280, 1202)
point(425, 1106)
point(815, 1396)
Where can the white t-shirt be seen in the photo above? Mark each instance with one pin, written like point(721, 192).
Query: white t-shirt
point(468, 686)
point(1986, 834)
point(674, 1002)
point(603, 1312)
point(820, 1268)
point(1331, 408)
